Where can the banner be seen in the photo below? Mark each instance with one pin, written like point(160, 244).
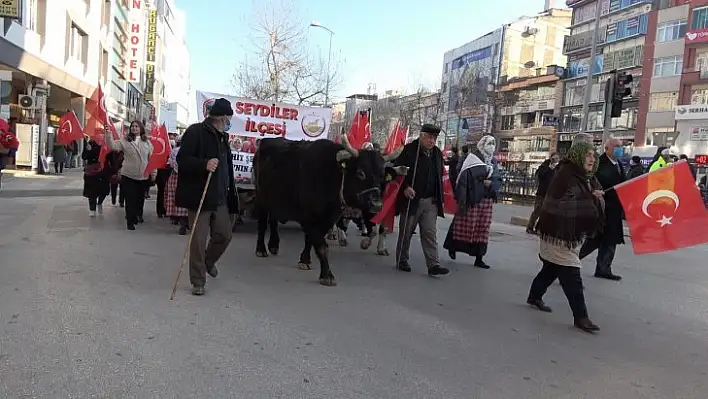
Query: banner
point(262, 119)
point(10, 9)
point(243, 167)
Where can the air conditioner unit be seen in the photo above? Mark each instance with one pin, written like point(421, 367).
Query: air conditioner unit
point(27, 102)
point(530, 31)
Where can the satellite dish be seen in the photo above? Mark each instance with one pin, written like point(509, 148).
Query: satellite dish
point(529, 65)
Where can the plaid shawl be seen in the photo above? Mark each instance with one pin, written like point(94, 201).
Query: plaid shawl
point(570, 212)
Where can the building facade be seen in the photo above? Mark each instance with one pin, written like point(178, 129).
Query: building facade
point(49, 65)
point(174, 72)
point(472, 73)
point(624, 25)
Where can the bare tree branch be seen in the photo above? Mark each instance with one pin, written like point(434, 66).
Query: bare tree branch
point(281, 67)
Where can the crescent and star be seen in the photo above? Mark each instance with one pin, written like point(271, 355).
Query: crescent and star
point(655, 195)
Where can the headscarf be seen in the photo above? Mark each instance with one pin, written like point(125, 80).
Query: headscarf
point(482, 147)
point(570, 212)
point(471, 161)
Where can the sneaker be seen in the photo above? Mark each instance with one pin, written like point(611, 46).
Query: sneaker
point(99, 208)
point(92, 214)
point(404, 267)
point(438, 271)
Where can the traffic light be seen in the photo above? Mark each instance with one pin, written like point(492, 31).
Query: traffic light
point(620, 90)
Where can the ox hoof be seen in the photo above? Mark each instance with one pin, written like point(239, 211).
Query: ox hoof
point(262, 254)
point(328, 281)
point(343, 243)
point(365, 243)
point(304, 266)
point(382, 252)
point(273, 250)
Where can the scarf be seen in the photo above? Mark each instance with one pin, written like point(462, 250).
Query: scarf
point(482, 148)
point(471, 161)
point(570, 212)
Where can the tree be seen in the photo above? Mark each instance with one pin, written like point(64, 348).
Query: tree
point(280, 67)
point(423, 106)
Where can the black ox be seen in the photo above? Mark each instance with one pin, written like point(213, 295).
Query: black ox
point(311, 182)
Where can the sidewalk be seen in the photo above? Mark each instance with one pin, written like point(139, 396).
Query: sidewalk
point(21, 183)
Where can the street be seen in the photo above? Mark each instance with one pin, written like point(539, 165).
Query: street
point(85, 312)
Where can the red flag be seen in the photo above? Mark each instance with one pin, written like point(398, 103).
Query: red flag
point(664, 210)
point(388, 212)
point(96, 110)
point(396, 139)
point(69, 129)
point(360, 131)
point(161, 148)
point(449, 202)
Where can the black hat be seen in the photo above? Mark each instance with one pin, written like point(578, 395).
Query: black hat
point(430, 129)
point(221, 107)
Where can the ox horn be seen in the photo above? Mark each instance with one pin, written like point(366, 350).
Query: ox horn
point(348, 145)
point(395, 154)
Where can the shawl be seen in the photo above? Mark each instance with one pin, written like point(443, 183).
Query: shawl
point(482, 148)
point(471, 161)
point(570, 212)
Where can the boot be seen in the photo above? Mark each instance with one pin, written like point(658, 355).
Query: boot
point(479, 262)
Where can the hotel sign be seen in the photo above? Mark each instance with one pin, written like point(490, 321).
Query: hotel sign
point(135, 41)
point(150, 55)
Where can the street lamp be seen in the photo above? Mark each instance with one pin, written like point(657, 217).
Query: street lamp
point(316, 24)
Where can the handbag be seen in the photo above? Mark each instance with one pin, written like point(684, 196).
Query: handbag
point(93, 169)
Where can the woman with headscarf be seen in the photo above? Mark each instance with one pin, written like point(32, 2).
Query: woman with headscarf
point(96, 178)
point(177, 214)
point(572, 211)
point(476, 190)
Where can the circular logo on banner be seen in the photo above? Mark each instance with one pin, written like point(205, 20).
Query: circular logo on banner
point(206, 107)
point(313, 125)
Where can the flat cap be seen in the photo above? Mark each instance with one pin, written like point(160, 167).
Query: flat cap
point(221, 107)
point(430, 128)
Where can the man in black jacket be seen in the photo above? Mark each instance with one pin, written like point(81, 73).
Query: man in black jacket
point(544, 175)
point(452, 170)
point(205, 150)
point(609, 173)
point(420, 200)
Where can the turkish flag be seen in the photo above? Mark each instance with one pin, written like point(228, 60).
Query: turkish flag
point(96, 110)
point(161, 149)
point(69, 129)
point(396, 139)
point(664, 210)
point(360, 131)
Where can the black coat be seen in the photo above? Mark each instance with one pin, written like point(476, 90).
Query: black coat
point(609, 175)
point(200, 143)
point(453, 171)
point(408, 158)
point(96, 185)
point(544, 174)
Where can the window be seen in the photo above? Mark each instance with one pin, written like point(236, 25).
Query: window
point(78, 44)
point(443, 89)
point(663, 102)
point(507, 122)
point(671, 30)
point(668, 66)
point(699, 96)
point(658, 136)
point(445, 67)
point(700, 18)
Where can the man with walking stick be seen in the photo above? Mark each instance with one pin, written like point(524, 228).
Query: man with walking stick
point(206, 173)
point(420, 200)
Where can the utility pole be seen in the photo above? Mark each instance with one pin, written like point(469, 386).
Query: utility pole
point(591, 62)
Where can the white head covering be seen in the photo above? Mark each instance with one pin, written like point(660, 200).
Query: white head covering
point(482, 147)
point(367, 146)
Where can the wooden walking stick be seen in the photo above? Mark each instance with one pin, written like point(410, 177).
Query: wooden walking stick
point(191, 235)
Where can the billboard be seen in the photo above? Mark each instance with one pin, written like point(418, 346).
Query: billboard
point(150, 51)
point(135, 42)
point(470, 78)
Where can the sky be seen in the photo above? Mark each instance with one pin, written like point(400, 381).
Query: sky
point(394, 43)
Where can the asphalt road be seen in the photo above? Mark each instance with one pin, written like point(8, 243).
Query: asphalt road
point(85, 312)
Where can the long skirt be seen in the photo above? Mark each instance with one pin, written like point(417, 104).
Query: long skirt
point(170, 208)
point(469, 232)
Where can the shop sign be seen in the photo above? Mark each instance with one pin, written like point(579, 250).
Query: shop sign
point(10, 9)
point(150, 52)
point(701, 159)
point(516, 156)
point(697, 36)
point(699, 133)
point(693, 111)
